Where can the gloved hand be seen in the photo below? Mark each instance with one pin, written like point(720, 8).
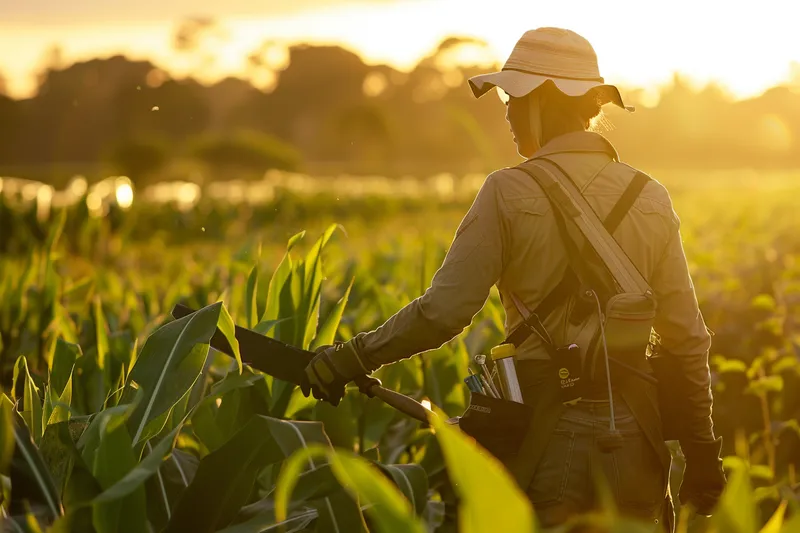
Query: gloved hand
point(703, 479)
point(329, 372)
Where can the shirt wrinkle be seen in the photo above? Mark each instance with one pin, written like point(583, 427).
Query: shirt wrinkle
point(591, 180)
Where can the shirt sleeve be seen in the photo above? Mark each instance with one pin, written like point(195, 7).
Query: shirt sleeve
point(459, 288)
point(683, 332)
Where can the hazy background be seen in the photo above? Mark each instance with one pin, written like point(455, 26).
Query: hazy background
point(205, 91)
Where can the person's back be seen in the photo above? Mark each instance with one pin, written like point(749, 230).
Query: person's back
point(538, 259)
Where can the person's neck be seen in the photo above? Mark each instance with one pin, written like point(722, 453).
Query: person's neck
point(564, 128)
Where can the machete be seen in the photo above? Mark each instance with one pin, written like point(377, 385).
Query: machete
point(288, 363)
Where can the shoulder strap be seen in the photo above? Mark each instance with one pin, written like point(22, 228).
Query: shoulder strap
point(570, 283)
point(571, 203)
point(625, 202)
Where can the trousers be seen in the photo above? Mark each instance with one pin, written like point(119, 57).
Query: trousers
point(574, 472)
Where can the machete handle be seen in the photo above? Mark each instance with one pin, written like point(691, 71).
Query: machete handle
point(405, 404)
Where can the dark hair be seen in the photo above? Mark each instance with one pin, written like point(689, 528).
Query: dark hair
point(562, 114)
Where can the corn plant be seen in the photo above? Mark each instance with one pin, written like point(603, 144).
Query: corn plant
point(116, 417)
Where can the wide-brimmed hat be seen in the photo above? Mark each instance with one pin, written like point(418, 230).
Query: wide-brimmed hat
point(561, 56)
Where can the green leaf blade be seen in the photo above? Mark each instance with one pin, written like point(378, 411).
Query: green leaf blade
point(64, 359)
point(491, 500)
point(251, 305)
point(228, 328)
point(170, 363)
point(327, 333)
point(113, 461)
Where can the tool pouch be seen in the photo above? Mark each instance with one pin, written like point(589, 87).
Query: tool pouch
point(628, 323)
point(497, 425)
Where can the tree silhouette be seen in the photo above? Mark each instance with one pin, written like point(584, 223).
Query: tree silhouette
point(328, 108)
point(139, 159)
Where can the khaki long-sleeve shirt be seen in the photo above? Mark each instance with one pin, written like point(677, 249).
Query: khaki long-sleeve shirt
point(509, 238)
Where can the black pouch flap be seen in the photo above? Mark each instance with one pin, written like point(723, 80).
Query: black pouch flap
point(497, 425)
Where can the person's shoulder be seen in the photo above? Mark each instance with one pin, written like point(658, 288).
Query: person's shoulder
point(511, 182)
point(654, 194)
point(653, 190)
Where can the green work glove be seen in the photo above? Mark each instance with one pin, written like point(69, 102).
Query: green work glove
point(703, 479)
point(330, 370)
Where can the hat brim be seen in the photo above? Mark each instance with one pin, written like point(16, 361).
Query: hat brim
point(519, 84)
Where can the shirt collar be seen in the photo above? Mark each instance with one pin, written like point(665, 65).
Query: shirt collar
point(578, 141)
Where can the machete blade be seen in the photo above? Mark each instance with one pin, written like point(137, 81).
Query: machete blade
point(268, 355)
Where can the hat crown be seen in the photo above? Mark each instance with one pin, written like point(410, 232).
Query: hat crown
point(555, 52)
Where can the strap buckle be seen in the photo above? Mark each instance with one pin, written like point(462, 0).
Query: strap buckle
point(534, 324)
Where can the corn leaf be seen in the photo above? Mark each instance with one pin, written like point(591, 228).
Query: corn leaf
point(775, 523)
point(232, 382)
point(56, 228)
point(266, 326)
point(6, 433)
point(141, 472)
point(251, 305)
point(28, 464)
point(490, 498)
point(265, 522)
point(336, 511)
point(235, 465)
point(412, 481)
point(736, 512)
point(70, 473)
point(278, 280)
point(60, 405)
point(386, 506)
point(113, 461)
point(312, 321)
point(169, 364)
point(443, 367)
point(20, 369)
point(307, 312)
point(104, 421)
point(228, 328)
point(311, 486)
point(63, 362)
point(101, 333)
point(32, 406)
point(327, 333)
point(791, 525)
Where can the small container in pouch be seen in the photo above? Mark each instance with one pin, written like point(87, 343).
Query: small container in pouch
point(474, 383)
point(503, 357)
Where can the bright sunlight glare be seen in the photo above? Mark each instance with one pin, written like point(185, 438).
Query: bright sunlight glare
point(124, 195)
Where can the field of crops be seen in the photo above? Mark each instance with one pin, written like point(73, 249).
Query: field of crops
point(117, 418)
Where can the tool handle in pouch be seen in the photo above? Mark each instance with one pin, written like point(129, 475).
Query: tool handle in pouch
point(503, 357)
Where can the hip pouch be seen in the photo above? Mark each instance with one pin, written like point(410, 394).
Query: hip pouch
point(628, 323)
point(496, 424)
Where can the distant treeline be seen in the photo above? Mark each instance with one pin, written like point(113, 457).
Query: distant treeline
point(330, 112)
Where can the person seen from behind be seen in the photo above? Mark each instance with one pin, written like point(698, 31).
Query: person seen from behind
point(510, 238)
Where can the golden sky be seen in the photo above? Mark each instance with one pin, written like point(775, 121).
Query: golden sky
point(747, 46)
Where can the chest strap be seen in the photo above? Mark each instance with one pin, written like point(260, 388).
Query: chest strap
point(569, 284)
